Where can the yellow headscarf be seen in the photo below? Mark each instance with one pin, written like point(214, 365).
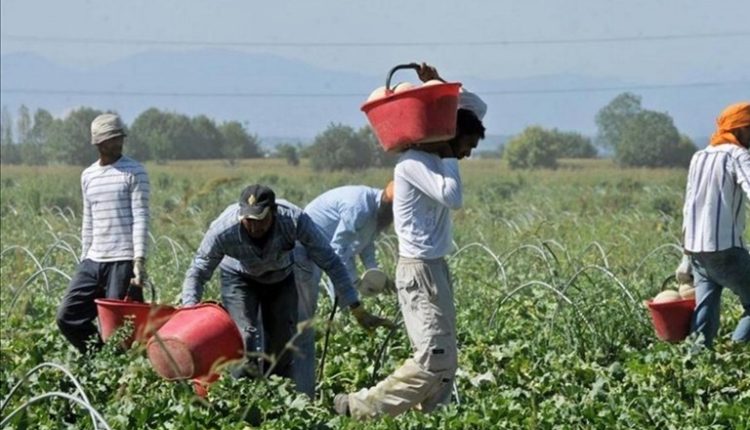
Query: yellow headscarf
point(733, 117)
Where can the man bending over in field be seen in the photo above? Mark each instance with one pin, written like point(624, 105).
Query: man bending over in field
point(252, 242)
point(114, 234)
point(350, 218)
point(427, 187)
point(718, 189)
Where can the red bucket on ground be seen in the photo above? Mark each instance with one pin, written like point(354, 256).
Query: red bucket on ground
point(672, 319)
point(420, 115)
point(147, 318)
point(194, 343)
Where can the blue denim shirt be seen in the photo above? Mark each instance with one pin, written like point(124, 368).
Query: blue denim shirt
point(348, 218)
point(227, 243)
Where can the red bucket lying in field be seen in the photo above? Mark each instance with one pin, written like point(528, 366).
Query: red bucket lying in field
point(194, 343)
point(147, 318)
point(672, 319)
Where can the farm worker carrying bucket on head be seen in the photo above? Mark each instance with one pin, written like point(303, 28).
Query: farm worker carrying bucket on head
point(427, 187)
point(252, 242)
point(713, 223)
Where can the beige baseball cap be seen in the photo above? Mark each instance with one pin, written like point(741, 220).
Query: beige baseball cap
point(105, 127)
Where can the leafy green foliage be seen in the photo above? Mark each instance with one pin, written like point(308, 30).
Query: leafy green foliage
point(641, 137)
point(288, 152)
point(340, 147)
point(528, 359)
point(531, 149)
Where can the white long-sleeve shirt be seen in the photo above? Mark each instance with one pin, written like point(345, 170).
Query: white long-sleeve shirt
point(718, 189)
point(115, 211)
point(427, 187)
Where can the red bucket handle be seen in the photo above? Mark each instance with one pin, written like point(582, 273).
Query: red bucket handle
point(151, 287)
point(414, 66)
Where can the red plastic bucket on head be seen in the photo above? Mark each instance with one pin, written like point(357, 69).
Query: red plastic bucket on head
point(672, 319)
point(195, 342)
point(420, 115)
point(147, 318)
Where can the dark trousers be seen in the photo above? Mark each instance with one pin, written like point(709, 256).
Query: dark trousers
point(262, 311)
point(92, 280)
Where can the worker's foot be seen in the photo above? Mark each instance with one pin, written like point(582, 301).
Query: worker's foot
point(341, 404)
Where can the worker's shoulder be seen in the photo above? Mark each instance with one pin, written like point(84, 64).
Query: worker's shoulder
point(131, 165)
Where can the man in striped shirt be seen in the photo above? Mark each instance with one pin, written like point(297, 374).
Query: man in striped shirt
point(718, 189)
point(252, 242)
point(114, 234)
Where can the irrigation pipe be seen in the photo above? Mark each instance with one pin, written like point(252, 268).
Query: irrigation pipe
point(32, 277)
point(654, 251)
point(70, 376)
point(30, 254)
point(51, 394)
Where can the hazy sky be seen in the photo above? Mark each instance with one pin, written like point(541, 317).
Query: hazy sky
point(490, 39)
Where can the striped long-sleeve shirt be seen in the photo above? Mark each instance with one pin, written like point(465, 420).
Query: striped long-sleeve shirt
point(226, 243)
point(718, 189)
point(115, 211)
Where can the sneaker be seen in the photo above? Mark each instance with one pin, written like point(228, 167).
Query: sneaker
point(341, 404)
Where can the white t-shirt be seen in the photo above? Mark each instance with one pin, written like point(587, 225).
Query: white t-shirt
point(427, 187)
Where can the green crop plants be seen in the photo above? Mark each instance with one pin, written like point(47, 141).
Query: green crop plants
point(550, 269)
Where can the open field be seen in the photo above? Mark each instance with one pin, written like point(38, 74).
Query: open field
point(550, 271)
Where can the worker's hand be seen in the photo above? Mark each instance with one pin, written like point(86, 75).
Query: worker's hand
point(139, 272)
point(369, 321)
point(684, 272)
point(427, 73)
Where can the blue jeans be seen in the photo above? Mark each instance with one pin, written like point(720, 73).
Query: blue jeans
point(307, 276)
point(92, 280)
point(262, 311)
point(714, 271)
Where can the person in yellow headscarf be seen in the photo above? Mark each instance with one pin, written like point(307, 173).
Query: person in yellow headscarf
point(716, 254)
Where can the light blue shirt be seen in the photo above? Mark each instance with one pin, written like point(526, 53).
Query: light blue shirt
point(228, 244)
point(347, 217)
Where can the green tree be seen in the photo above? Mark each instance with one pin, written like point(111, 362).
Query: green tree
point(6, 124)
point(648, 139)
point(70, 139)
point(206, 140)
point(640, 137)
point(23, 124)
point(339, 147)
point(380, 158)
point(41, 128)
point(238, 143)
point(36, 149)
point(573, 145)
point(288, 152)
point(611, 119)
point(535, 147)
point(684, 152)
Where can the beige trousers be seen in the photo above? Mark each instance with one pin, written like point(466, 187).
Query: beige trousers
point(425, 295)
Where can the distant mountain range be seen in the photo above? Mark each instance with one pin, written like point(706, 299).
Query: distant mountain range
point(291, 101)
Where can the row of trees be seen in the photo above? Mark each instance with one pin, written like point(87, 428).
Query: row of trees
point(154, 135)
point(162, 136)
point(636, 137)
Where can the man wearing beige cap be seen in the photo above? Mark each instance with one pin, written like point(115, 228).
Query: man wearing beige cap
point(114, 234)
